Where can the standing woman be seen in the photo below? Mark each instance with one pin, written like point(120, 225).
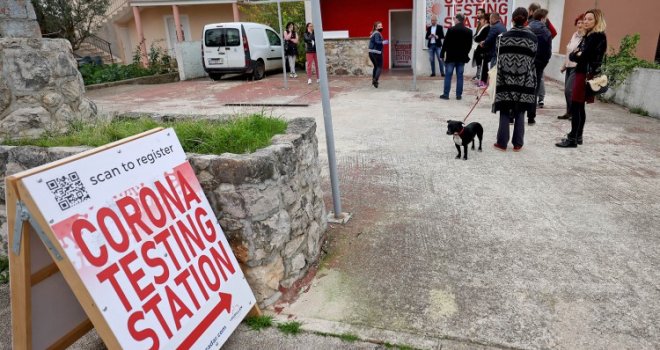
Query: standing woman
point(480, 54)
point(568, 68)
point(589, 58)
point(516, 80)
point(376, 43)
point(291, 48)
point(310, 57)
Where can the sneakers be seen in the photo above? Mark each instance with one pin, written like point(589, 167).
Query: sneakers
point(531, 122)
point(444, 97)
point(459, 97)
point(432, 75)
point(541, 103)
point(309, 81)
point(517, 148)
point(499, 148)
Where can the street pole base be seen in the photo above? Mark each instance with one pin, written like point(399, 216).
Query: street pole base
point(342, 218)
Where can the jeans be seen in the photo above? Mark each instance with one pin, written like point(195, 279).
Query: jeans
point(459, 77)
point(377, 61)
point(539, 75)
point(311, 59)
point(292, 64)
point(434, 51)
point(568, 87)
point(493, 61)
point(518, 128)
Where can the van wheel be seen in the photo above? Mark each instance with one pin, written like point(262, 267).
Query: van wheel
point(259, 70)
point(215, 76)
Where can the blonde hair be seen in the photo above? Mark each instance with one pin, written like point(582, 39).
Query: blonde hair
point(600, 25)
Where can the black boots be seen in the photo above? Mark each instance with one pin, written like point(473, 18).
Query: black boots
point(567, 143)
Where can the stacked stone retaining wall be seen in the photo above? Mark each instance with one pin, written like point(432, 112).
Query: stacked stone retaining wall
point(269, 203)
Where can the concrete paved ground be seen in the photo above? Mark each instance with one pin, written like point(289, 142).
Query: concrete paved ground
point(546, 248)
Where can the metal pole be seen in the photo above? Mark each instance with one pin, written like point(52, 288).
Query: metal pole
point(325, 100)
point(413, 47)
point(279, 18)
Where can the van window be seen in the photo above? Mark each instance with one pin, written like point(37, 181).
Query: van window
point(222, 37)
point(273, 38)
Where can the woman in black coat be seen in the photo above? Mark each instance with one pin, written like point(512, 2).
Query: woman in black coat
point(589, 58)
point(480, 55)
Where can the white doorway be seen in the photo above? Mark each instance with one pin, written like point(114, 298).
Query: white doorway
point(170, 30)
point(400, 39)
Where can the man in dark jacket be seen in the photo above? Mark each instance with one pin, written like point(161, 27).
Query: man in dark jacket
point(543, 53)
point(434, 36)
point(458, 43)
point(490, 44)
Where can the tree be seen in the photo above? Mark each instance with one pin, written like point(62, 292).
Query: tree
point(266, 13)
point(74, 20)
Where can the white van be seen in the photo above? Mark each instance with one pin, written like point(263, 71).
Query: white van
point(240, 47)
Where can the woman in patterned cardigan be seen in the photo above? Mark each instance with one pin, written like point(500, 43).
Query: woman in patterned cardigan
point(516, 80)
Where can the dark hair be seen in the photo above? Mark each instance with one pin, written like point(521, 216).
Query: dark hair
point(533, 7)
point(307, 25)
point(519, 16)
point(290, 24)
point(579, 18)
point(486, 16)
point(482, 10)
point(540, 14)
point(460, 17)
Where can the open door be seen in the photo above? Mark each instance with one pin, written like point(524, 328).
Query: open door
point(400, 38)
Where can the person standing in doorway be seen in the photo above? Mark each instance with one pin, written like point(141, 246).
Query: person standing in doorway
point(543, 54)
point(516, 81)
point(490, 44)
point(310, 56)
point(589, 58)
point(434, 36)
point(291, 48)
point(568, 68)
point(458, 43)
point(376, 43)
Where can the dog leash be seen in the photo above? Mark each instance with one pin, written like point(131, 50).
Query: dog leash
point(475, 104)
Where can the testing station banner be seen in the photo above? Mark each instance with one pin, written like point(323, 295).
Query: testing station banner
point(136, 225)
point(447, 9)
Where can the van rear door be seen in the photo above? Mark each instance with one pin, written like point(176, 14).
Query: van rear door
point(223, 47)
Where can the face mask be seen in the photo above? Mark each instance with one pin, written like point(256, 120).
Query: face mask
point(380, 30)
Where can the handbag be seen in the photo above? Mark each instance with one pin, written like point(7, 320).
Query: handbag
point(598, 85)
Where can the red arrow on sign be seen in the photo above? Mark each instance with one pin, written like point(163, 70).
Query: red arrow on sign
point(223, 304)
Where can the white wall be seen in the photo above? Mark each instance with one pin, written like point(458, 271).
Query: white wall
point(189, 60)
point(640, 90)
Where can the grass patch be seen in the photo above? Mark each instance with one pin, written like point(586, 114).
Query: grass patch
point(291, 328)
point(640, 111)
point(348, 337)
point(241, 135)
point(4, 269)
point(257, 323)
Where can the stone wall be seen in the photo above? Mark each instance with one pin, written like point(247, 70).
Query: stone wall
point(18, 20)
point(269, 203)
point(348, 56)
point(40, 87)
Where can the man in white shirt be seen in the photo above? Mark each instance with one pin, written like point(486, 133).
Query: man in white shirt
point(434, 36)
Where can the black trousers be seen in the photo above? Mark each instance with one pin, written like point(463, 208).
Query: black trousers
point(531, 114)
point(377, 61)
point(578, 118)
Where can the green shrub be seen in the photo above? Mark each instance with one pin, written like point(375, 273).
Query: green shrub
point(240, 135)
point(619, 65)
point(159, 63)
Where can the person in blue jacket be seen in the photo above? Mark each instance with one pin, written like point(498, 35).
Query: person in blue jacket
point(376, 43)
point(490, 44)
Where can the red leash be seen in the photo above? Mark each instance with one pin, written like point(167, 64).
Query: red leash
point(475, 104)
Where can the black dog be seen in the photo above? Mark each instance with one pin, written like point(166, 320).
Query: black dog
point(463, 135)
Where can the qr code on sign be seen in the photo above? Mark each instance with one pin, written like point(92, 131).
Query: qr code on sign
point(68, 190)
